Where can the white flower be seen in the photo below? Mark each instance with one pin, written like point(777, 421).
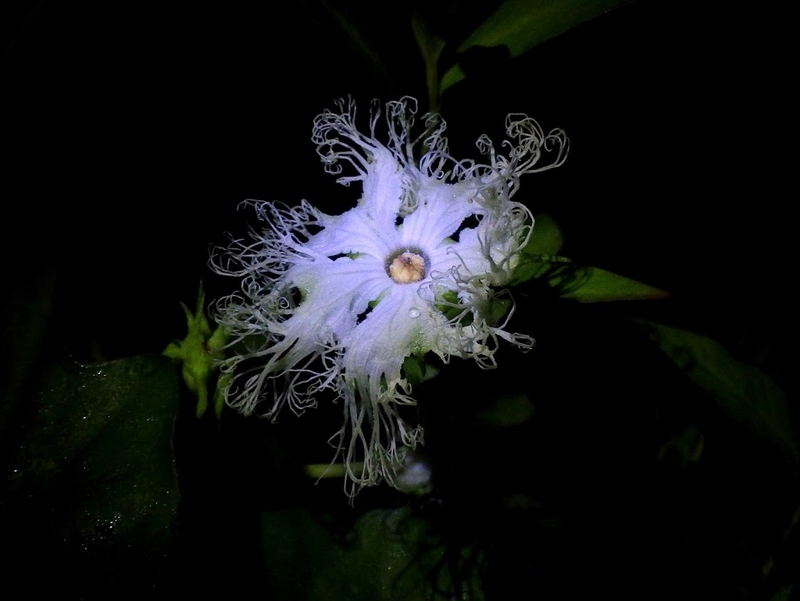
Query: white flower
point(339, 302)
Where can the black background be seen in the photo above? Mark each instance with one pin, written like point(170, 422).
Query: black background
point(131, 131)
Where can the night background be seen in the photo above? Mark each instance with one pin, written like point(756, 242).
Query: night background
point(131, 132)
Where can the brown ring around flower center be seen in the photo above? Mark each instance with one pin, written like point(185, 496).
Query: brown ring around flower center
point(406, 267)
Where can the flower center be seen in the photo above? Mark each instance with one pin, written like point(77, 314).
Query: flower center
point(406, 267)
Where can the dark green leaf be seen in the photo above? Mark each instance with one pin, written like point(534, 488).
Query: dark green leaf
point(507, 411)
point(539, 259)
point(537, 256)
point(94, 480)
point(390, 555)
point(416, 370)
point(430, 46)
point(348, 31)
point(594, 285)
point(25, 310)
point(521, 24)
point(685, 447)
point(742, 390)
point(784, 594)
point(498, 309)
point(546, 238)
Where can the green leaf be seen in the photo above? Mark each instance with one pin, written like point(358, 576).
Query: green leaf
point(25, 310)
point(430, 46)
point(546, 238)
point(521, 24)
point(539, 259)
point(685, 447)
point(506, 411)
point(200, 353)
point(498, 309)
point(389, 555)
point(594, 285)
point(94, 480)
point(416, 370)
point(783, 594)
point(351, 37)
point(742, 390)
point(536, 257)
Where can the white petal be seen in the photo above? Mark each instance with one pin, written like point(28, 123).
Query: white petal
point(317, 307)
point(376, 349)
point(383, 189)
point(336, 293)
point(355, 232)
point(441, 210)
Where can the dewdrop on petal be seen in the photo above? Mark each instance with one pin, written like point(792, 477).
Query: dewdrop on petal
point(337, 303)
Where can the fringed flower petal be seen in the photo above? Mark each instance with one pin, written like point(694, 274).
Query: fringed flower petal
point(336, 304)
